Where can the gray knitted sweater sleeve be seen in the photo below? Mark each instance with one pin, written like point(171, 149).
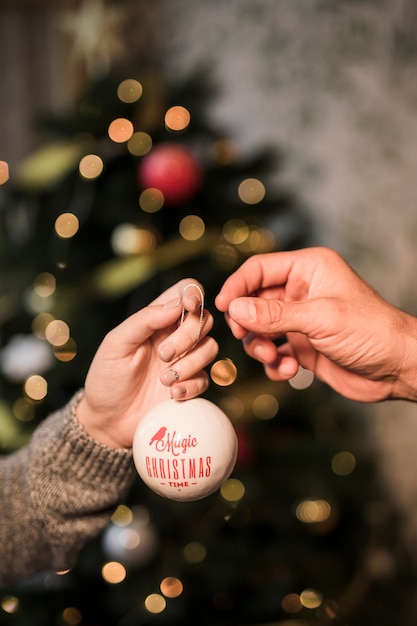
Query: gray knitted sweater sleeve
point(56, 493)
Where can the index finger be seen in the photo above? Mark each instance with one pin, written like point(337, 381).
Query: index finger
point(257, 272)
point(188, 290)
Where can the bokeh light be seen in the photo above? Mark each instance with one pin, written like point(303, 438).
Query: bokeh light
point(113, 572)
point(192, 228)
point(123, 516)
point(171, 587)
point(232, 490)
point(120, 130)
point(265, 406)
point(235, 231)
point(44, 284)
point(23, 410)
point(66, 352)
point(233, 406)
point(223, 372)
point(40, 323)
point(128, 239)
point(291, 603)
point(224, 257)
point(72, 616)
point(129, 90)
point(9, 604)
point(260, 240)
point(343, 463)
point(4, 172)
point(177, 118)
point(151, 200)
point(311, 598)
point(57, 333)
point(303, 379)
point(155, 603)
point(251, 191)
point(224, 151)
point(313, 511)
point(140, 143)
point(195, 552)
point(67, 225)
point(36, 387)
point(91, 166)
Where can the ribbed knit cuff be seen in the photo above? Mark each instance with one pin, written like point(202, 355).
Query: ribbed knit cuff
point(86, 459)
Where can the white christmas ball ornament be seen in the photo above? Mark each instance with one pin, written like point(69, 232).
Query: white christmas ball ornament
point(185, 450)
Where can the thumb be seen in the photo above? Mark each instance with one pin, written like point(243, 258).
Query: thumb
point(270, 316)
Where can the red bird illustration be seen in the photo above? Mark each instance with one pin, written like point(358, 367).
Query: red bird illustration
point(159, 435)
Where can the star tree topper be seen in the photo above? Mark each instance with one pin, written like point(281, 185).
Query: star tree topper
point(97, 38)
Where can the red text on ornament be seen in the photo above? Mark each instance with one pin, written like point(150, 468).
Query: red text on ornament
point(171, 442)
point(178, 469)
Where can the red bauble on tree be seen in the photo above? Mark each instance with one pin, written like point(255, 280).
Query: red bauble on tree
point(173, 169)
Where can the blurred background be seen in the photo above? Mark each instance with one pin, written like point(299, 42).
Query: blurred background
point(142, 142)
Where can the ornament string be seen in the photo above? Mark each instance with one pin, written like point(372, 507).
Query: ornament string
point(200, 325)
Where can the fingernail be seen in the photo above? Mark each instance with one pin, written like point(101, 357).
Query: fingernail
point(167, 351)
point(169, 376)
point(243, 310)
point(178, 392)
point(259, 352)
point(195, 300)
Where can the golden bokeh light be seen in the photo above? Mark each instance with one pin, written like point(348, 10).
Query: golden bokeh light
point(260, 240)
point(233, 406)
point(37, 304)
point(343, 463)
point(251, 191)
point(91, 166)
point(303, 379)
point(235, 231)
point(123, 516)
point(44, 284)
point(120, 130)
point(195, 552)
point(192, 227)
point(223, 372)
point(23, 410)
point(129, 90)
point(40, 323)
point(67, 225)
point(128, 239)
point(313, 511)
point(140, 143)
point(291, 603)
point(113, 572)
point(177, 118)
point(171, 587)
point(224, 256)
point(224, 151)
point(151, 200)
point(66, 352)
point(265, 406)
point(232, 490)
point(4, 172)
point(72, 616)
point(9, 604)
point(36, 387)
point(57, 333)
point(155, 603)
point(311, 598)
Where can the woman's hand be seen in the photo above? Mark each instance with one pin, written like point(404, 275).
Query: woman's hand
point(146, 359)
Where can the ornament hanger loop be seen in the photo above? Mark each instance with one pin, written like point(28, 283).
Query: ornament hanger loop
point(200, 326)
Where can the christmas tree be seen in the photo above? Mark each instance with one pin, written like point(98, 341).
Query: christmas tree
point(133, 190)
